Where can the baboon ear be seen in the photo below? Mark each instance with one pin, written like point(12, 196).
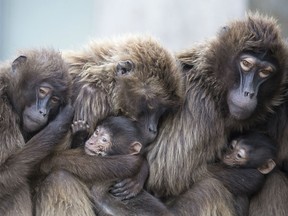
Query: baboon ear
point(224, 30)
point(268, 167)
point(184, 58)
point(18, 62)
point(124, 67)
point(135, 148)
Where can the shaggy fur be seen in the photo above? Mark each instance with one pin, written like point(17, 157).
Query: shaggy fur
point(276, 185)
point(195, 135)
point(99, 92)
point(42, 66)
point(17, 158)
point(272, 199)
point(154, 83)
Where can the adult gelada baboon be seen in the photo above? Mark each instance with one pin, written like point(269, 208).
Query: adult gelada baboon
point(232, 82)
point(34, 88)
point(133, 76)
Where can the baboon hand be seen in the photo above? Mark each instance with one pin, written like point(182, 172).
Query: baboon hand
point(79, 126)
point(126, 189)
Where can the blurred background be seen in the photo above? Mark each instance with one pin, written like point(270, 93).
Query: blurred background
point(71, 24)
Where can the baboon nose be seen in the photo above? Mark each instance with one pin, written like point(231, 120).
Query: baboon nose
point(43, 112)
point(249, 94)
point(152, 129)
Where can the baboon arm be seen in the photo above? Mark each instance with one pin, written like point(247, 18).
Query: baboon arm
point(91, 105)
point(131, 187)
point(14, 171)
point(94, 168)
point(238, 181)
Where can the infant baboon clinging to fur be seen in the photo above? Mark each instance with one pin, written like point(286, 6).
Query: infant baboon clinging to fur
point(117, 135)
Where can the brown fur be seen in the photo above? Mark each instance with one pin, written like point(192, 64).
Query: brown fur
point(98, 92)
point(17, 158)
point(42, 66)
point(11, 141)
point(195, 135)
point(123, 134)
point(276, 185)
point(78, 204)
point(272, 199)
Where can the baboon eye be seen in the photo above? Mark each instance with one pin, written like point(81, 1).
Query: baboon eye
point(42, 92)
point(246, 64)
point(124, 67)
point(241, 154)
point(104, 140)
point(55, 100)
point(265, 72)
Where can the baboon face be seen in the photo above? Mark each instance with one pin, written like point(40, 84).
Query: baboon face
point(41, 87)
point(253, 72)
point(115, 136)
point(99, 143)
point(252, 150)
point(142, 102)
point(251, 64)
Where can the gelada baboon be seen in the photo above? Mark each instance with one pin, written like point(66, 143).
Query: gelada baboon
point(118, 136)
point(133, 76)
point(232, 82)
point(34, 88)
point(245, 162)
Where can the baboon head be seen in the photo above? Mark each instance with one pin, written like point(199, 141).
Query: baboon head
point(148, 82)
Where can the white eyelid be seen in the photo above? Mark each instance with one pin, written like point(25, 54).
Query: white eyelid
point(247, 63)
point(242, 153)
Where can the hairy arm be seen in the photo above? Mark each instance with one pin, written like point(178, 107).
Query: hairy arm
point(238, 181)
point(91, 105)
point(131, 187)
point(14, 170)
point(93, 168)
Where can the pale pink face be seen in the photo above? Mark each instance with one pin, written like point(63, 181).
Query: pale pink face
point(236, 155)
point(99, 143)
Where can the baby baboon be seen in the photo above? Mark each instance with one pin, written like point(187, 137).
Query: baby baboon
point(246, 161)
point(119, 136)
